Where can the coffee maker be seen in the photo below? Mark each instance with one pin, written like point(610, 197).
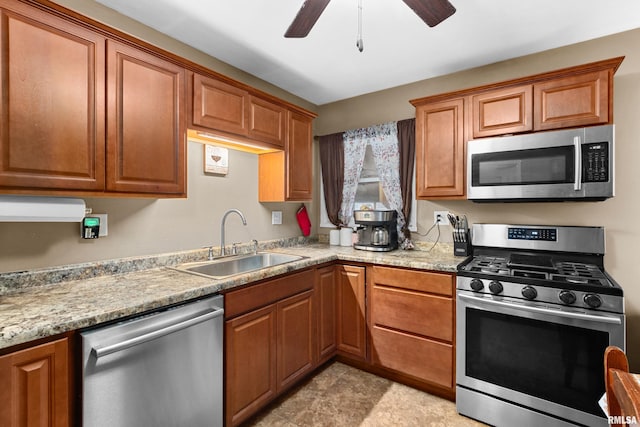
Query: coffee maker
point(377, 230)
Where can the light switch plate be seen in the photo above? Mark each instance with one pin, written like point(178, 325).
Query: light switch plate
point(276, 217)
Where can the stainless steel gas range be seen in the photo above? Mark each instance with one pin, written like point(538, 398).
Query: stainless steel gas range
point(535, 312)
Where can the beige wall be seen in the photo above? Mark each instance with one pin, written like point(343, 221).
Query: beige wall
point(618, 215)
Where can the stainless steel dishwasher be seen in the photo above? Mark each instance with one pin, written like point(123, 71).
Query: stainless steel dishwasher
point(162, 369)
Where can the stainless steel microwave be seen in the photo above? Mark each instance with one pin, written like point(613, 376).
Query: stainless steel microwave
point(571, 164)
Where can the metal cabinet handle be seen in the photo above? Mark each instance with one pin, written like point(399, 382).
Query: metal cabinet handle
point(577, 184)
point(100, 351)
point(542, 310)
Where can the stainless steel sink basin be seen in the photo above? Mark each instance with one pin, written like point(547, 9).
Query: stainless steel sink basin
point(237, 264)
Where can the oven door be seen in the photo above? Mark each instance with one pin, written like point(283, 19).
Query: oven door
point(567, 164)
point(545, 359)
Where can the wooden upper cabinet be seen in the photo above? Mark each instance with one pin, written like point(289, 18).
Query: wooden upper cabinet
point(146, 127)
point(34, 386)
point(267, 122)
point(52, 110)
point(579, 100)
point(501, 111)
point(220, 106)
point(299, 151)
point(440, 149)
point(288, 175)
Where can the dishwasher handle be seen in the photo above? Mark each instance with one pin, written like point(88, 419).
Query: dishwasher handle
point(100, 351)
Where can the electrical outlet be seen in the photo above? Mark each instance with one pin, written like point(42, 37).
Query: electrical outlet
point(440, 217)
point(276, 217)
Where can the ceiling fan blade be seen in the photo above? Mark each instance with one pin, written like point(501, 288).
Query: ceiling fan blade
point(306, 18)
point(432, 12)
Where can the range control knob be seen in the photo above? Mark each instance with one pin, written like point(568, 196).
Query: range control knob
point(529, 292)
point(567, 297)
point(476, 285)
point(592, 300)
point(495, 287)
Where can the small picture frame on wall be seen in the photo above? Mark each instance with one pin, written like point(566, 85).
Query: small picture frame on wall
point(216, 160)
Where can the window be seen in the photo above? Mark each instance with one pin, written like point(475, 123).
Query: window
point(369, 193)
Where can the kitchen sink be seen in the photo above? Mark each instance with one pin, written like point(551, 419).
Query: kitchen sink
point(237, 264)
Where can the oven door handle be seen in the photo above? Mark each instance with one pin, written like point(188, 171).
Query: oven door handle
point(542, 310)
point(577, 184)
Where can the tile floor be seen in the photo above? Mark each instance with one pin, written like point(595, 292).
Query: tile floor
point(341, 395)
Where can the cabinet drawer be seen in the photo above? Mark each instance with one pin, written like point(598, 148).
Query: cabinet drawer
point(262, 294)
point(422, 281)
point(419, 357)
point(414, 312)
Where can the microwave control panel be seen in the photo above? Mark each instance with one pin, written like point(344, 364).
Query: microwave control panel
point(595, 162)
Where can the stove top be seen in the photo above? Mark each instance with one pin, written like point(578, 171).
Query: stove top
point(513, 266)
point(560, 265)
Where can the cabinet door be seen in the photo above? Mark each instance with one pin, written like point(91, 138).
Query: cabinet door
point(299, 158)
point(146, 131)
point(326, 293)
point(573, 101)
point(502, 111)
point(351, 311)
point(220, 106)
point(296, 338)
point(52, 111)
point(250, 354)
point(285, 176)
point(440, 150)
point(267, 122)
point(34, 386)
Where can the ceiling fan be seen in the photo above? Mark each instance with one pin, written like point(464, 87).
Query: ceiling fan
point(432, 12)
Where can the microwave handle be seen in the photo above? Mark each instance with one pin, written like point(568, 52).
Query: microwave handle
point(577, 183)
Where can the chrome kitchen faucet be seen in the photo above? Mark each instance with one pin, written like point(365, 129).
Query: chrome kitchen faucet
point(224, 218)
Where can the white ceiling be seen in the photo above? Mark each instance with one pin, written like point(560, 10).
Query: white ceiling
point(399, 47)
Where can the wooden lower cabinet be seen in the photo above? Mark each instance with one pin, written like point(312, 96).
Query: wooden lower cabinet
point(326, 294)
point(352, 327)
point(34, 386)
point(250, 363)
point(269, 348)
point(411, 323)
point(296, 347)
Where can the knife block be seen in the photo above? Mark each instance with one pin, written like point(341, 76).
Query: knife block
point(463, 248)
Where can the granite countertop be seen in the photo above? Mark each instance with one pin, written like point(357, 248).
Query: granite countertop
point(43, 303)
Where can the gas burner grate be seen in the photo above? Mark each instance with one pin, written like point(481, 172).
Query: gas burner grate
point(489, 264)
point(579, 270)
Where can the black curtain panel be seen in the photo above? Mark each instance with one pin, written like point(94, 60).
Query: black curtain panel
point(332, 164)
point(407, 146)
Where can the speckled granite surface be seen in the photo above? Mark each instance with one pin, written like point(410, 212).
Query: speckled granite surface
point(42, 303)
